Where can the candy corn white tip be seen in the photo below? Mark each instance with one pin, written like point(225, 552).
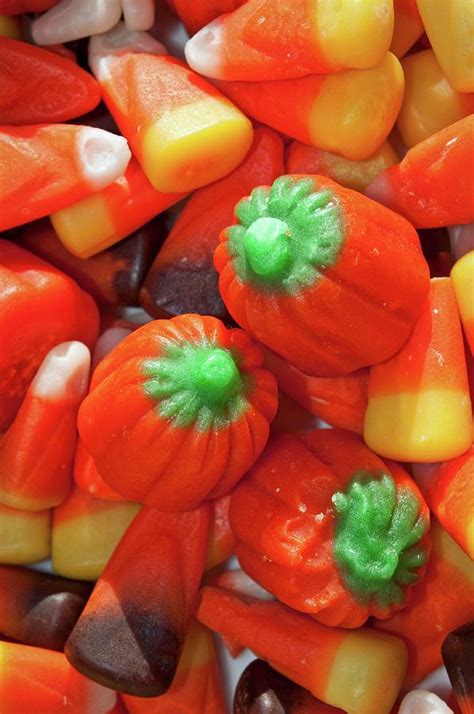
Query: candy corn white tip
point(421, 702)
point(107, 341)
point(73, 19)
point(243, 584)
point(138, 14)
point(118, 41)
point(102, 156)
point(63, 374)
point(204, 51)
point(461, 239)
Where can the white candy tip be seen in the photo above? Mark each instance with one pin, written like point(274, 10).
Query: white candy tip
point(204, 50)
point(138, 14)
point(102, 156)
point(73, 19)
point(63, 374)
point(420, 702)
point(118, 41)
point(107, 341)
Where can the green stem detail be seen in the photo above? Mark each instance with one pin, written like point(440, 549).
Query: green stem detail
point(376, 546)
point(286, 235)
point(197, 385)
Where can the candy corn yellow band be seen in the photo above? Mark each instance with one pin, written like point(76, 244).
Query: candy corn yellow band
point(24, 536)
point(462, 276)
point(433, 425)
point(86, 227)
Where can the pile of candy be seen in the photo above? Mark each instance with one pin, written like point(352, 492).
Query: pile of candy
point(207, 259)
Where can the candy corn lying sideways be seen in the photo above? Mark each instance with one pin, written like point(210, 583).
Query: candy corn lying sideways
point(24, 535)
point(327, 661)
point(449, 491)
point(196, 686)
point(183, 278)
point(458, 656)
point(304, 159)
point(351, 113)
point(462, 276)
point(40, 308)
point(37, 608)
point(419, 405)
point(182, 131)
point(131, 633)
point(407, 26)
point(429, 103)
point(75, 19)
point(40, 681)
point(54, 165)
point(320, 275)
point(85, 533)
point(442, 601)
point(201, 12)
point(37, 451)
point(271, 40)
point(41, 87)
point(93, 224)
point(450, 27)
point(433, 185)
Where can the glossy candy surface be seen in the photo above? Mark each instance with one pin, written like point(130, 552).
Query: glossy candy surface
point(458, 656)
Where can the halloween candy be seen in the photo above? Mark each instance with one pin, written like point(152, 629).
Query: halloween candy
point(407, 27)
point(450, 27)
point(449, 491)
point(88, 479)
point(331, 530)
point(304, 159)
point(37, 608)
point(131, 633)
point(54, 165)
point(433, 185)
point(458, 655)
point(39, 309)
point(196, 686)
point(441, 602)
point(429, 103)
point(350, 114)
point(99, 221)
point(74, 19)
point(327, 661)
point(419, 405)
point(183, 396)
point(421, 702)
point(221, 540)
point(461, 239)
point(182, 278)
point(40, 86)
point(271, 40)
point(86, 531)
point(327, 280)
point(183, 132)
point(24, 535)
point(199, 13)
point(462, 277)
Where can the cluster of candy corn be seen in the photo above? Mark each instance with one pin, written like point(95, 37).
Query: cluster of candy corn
point(236, 319)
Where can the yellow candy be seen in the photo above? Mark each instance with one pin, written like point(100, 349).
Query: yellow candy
point(449, 25)
point(430, 103)
point(24, 536)
point(462, 276)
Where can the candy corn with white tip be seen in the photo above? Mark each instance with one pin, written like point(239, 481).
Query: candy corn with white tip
point(419, 405)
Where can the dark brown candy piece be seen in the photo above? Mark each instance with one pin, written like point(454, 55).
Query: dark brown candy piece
point(263, 690)
point(114, 276)
point(39, 609)
point(458, 656)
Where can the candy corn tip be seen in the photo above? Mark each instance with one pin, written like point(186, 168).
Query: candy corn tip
point(420, 702)
point(102, 156)
point(138, 16)
point(118, 41)
point(64, 373)
point(75, 19)
point(203, 51)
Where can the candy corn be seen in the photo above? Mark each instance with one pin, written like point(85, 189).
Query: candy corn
point(433, 185)
point(88, 479)
point(40, 86)
point(37, 451)
point(54, 165)
point(407, 26)
point(461, 239)
point(458, 656)
point(37, 608)
point(24, 536)
point(462, 276)
point(199, 13)
point(449, 491)
point(85, 533)
point(350, 114)
point(138, 16)
point(419, 406)
point(16, 7)
point(182, 131)
point(270, 39)
point(450, 28)
point(324, 660)
point(421, 702)
point(429, 103)
point(99, 221)
point(131, 633)
point(182, 277)
point(74, 19)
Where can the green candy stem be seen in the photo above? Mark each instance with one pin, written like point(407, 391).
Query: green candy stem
point(376, 545)
point(214, 375)
point(267, 247)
